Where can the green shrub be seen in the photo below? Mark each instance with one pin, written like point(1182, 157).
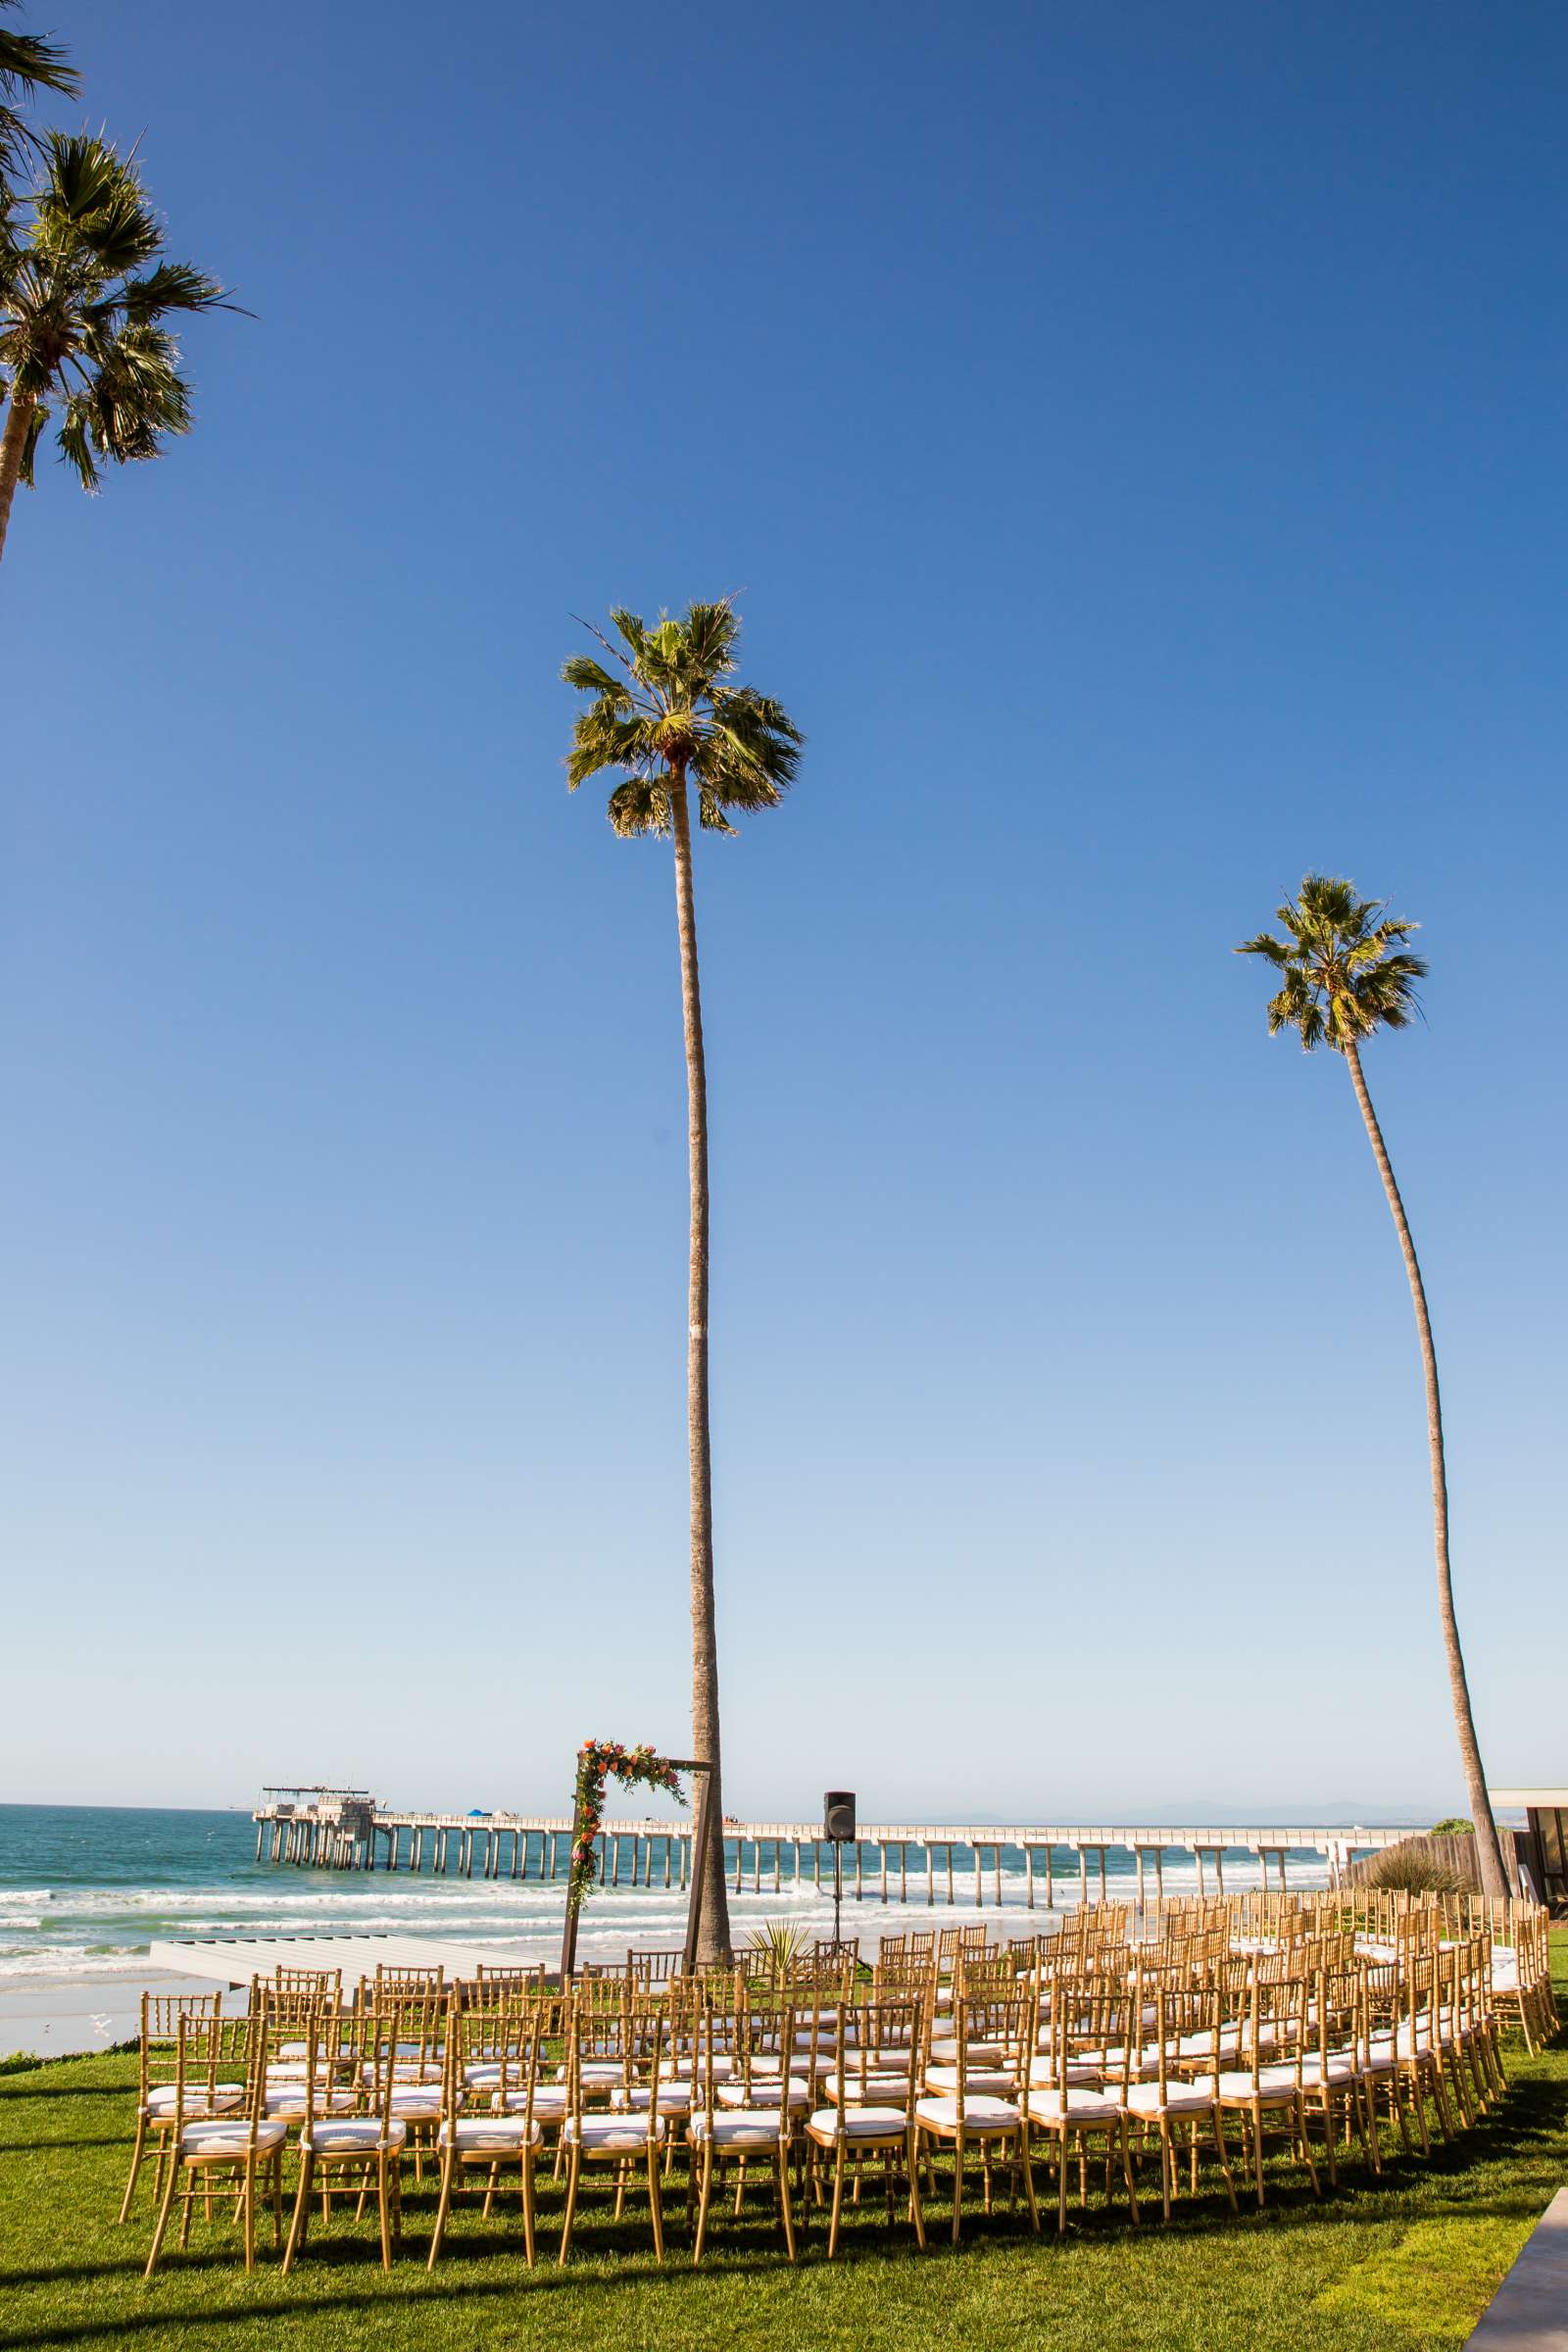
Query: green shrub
point(1455, 1827)
point(781, 1946)
point(1407, 1870)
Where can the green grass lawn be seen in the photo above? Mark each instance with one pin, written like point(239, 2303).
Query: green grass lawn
point(1406, 2263)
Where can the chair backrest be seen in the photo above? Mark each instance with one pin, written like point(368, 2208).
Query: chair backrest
point(309, 1982)
point(390, 1983)
point(513, 1978)
point(657, 1964)
point(162, 2014)
point(993, 2033)
point(879, 2051)
point(209, 2050)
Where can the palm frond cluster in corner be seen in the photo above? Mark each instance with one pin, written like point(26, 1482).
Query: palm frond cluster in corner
point(85, 298)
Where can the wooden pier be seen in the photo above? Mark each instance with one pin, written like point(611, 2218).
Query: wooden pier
point(903, 1862)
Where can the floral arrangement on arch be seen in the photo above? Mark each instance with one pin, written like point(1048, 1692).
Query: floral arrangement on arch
point(633, 1767)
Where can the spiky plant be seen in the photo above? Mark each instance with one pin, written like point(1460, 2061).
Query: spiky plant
point(1407, 1870)
point(27, 64)
point(85, 297)
point(667, 718)
point(781, 1946)
point(1344, 972)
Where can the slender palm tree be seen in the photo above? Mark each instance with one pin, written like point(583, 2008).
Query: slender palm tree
point(85, 296)
point(1344, 974)
point(27, 64)
point(668, 716)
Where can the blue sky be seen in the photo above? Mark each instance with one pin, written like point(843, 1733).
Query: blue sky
point(1137, 438)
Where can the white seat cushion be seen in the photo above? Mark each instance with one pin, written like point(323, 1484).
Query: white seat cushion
point(226, 2097)
point(363, 2135)
point(876, 2090)
point(674, 2098)
point(417, 2101)
point(550, 2101)
point(1082, 2106)
point(994, 2083)
point(831, 2124)
point(766, 2095)
point(737, 2127)
point(981, 2113)
point(1342, 2067)
point(480, 2134)
point(231, 2142)
point(611, 2135)
point(1272, 2087)
point(288, 2099)
point(1181, 2098)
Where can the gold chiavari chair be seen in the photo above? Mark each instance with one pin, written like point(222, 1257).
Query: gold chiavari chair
point(977, 2097)
point(351, 2153)
point(872, 2084)
point(746, 2113)
point(1163, 2100)
point(207, 2148)
point(494, 2061)
point(1266, 2089)
point(309, 2080)
point(157, 2066)
point(1078, 2084)
point(630, 2132)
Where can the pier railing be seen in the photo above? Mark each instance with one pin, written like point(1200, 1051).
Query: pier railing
point(906, 1860)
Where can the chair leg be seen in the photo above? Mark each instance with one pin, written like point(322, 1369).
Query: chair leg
point(135, 2164)
point(161, 2223)
point(302, 2196)
point(250, 2209)
point(958, 2182)
point(1026, 2157)
point(784, 2201)
point(573, 2165)
point(383, 2210)
point(838, 2198)
point(655, 2205)
point(527, 2206)
point(916, 2213)
point(702, 2203)
point(448, 2168)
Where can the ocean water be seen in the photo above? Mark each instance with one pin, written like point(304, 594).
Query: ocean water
point(84, 1891)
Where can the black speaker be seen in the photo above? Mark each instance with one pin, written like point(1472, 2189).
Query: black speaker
point(838, 1817)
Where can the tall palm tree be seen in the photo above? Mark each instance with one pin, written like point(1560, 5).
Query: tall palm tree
point(85, 295)
point(27, 64)
point(1344, 974)
point(667, 718)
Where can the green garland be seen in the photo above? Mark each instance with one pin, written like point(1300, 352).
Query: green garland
point(632, 1767)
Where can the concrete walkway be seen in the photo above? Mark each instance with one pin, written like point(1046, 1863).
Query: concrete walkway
point(1529, 2313)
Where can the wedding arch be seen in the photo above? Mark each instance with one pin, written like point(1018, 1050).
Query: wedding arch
point(599, 1761)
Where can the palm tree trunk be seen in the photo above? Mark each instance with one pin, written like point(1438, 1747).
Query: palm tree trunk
point(13, 448)
point(1488, 1852)
point(714, 1931)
